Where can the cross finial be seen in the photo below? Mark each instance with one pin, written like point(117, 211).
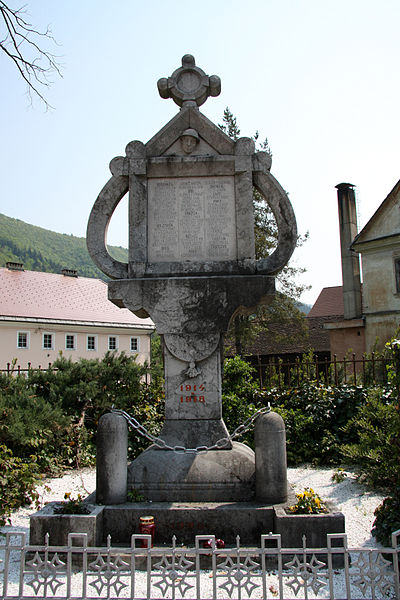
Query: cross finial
point(189, 84)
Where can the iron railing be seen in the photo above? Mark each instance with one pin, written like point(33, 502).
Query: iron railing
point(277, 372)
point(12, 369)
point(351, 370)
point(77, 571)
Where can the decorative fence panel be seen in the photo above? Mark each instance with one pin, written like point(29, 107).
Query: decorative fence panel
point(283, 373)
point(78, 572)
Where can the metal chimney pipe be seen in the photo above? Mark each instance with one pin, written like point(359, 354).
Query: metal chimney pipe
point(350, 260)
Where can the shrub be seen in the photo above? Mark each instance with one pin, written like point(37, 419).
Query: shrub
point(240, 395)
point(87, 389)
point(376, 448)
point(238, 379)
point(31, 425)
point(314, 417)
point(54, 414)
point(387, 518)
point(18, 479)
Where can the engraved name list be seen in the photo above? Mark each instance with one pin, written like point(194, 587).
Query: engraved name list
point(191, 219)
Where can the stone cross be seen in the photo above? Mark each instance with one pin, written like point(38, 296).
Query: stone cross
point(191, 266)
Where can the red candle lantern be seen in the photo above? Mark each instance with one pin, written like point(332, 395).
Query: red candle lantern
point(147, 527)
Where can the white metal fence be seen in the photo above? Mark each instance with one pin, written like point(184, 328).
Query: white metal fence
point(77, 571)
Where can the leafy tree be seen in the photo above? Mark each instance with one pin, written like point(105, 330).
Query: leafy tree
point(284, 308)
point(25, 47)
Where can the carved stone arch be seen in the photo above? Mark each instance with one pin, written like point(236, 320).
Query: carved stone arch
point(100, 216)
point(278, 201)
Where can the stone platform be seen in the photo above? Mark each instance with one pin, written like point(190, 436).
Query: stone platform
point(185, 520)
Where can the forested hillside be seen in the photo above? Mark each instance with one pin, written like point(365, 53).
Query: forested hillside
point(43, 250)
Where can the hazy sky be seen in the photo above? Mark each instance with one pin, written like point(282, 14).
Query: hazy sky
point(319, 78)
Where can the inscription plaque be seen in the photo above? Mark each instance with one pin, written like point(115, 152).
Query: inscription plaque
point(191, 219)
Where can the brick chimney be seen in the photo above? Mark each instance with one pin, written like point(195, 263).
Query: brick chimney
point(350, 260)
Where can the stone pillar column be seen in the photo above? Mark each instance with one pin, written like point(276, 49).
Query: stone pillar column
point(111, 459)
point(271, 469)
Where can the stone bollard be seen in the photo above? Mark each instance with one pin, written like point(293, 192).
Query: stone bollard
point(111, 459)
point(271, 467)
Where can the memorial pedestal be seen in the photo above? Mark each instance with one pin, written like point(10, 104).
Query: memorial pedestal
point(214, 476)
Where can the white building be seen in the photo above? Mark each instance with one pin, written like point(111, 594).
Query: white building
point(378, 243)
point(44, 314)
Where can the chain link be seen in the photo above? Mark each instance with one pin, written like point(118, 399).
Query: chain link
point(218, 445)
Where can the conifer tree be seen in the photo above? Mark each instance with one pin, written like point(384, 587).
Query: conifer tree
point(284, 308)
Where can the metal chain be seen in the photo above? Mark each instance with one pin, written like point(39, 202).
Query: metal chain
point(219, 444)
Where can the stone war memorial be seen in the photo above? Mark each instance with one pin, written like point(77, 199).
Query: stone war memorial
point(191, 268)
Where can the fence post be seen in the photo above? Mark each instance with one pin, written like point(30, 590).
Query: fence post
point(373, 365)
point(260, 377)
point(354, 368)
point(335, 368)
point(279, 373)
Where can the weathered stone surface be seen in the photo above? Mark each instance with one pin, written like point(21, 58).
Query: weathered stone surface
point(59, 526)
point(191, 265)
point(189, 83)
point(215, 476)
point(225, 158)
point(185, 520)
point(111, 459)
point(270, 450)
point(191, 314)
point(191, 305)
point(315, 528)
point(191, 218)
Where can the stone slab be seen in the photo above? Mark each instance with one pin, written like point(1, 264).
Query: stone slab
point(191, 219)
point(186, 520)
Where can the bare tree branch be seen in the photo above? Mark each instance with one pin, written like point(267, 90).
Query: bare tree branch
point(20, 42)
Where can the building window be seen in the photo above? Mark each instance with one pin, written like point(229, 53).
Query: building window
point(112, 342)
point(397, 272)
point(48, 341)
point(91, 342)
point(22, 339)
point(70, 343)
point(134, 344)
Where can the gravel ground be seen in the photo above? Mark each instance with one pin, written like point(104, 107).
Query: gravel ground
point(354, 500)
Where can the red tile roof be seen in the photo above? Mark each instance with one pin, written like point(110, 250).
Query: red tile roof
point(329, 303)
point(288, 338)
point(37, 295)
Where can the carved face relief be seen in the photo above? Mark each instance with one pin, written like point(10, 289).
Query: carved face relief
point(189, 140)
